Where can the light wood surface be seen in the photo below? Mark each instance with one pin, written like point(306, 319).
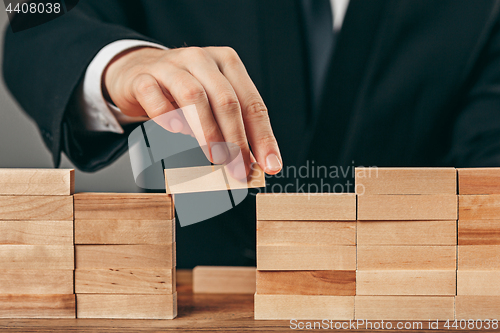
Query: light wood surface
point(477, 307)
point(479, 180)
point(321, 257)
point(36, 232)
point(36, 281)
point(407, 232)
point(306, 207)
point(479, 207)
point(60, 257)
point(334, 283)
point(224, 280)
point(478, 232)
point(407, 207)
point(479, 257)
point(37, 181)
point(479, 283)
point(406, 181)
point(37, 306)
point(409, 282)
point(41, 208)
point(406, 257)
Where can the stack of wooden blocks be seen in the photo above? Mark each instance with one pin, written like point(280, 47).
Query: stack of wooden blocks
point(125, 256)
point(36, 243)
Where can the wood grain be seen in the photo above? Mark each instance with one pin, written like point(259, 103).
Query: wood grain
point(479, 181)
point(479, 257)
point(37, 181)
point(123, 232)
point(320, 257)
point(406, 232)
point(406, 257)
point(123, 206)
point(126, 306)
point(479, 232)
point(41, 208)
point(409, 282)
point(36, 232)
point(59, 257)
point(406, 180)
point(405, 307)
point(303, 307)
point(479, 207)
point(407, 207)
point(124, 256)
point(480, 283)
point(37, 306)
point(124, 281)
point(306, 233)
point(36, 281)
point(306, 207)
point(334, 283)
point(477, 307)
point(224, 280)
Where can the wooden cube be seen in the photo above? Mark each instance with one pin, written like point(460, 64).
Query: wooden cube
point(477, 307)
point(36, 233)
point(224, 280)
point(479, 207)
point(479, 257)
point(479, 232)
point(32, 207)
point(479, 181)
point(37, 182)
point(37, 306)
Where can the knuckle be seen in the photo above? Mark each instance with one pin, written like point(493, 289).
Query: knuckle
point(266, 139)
point(258, 109)
point(230, 55)
point(211, 134)
point(196, 52)
point(228, 102)
point(145, 84)
point(192, 93)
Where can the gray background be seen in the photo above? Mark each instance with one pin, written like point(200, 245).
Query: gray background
point(21, 145)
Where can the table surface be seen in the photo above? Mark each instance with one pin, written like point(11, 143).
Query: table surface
point(196, 312)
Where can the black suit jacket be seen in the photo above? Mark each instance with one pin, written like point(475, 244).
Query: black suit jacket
point(411, 83)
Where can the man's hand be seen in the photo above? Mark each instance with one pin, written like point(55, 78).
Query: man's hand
point(149, 81)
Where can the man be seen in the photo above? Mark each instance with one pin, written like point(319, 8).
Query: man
point(404, 83)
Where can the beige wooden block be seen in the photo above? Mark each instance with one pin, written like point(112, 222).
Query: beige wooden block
point(407, 207)
point(479, 181)
point(293, 258)
point(124, 256)
point(479, 207)
point(31, 207)
point(36, 281)
point(409, 282)
point(224, 280)
point(405, 307)
point(303, 307)
point(407, 232)
point(478, 232)
point(59, 257)
point(306, 233)
point(335, 283)
point(377, 180)
point(478, 307)
point(406, 257)
point(123, 206)
point(479, 283)
point(479, 257)
point(126, 306)
point(124, 281)
point(114, 232)
point(306, 207)
point(36, 232)
point(37, 181)
point(37, 306)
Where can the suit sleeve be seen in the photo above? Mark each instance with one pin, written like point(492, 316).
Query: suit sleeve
point(44, 65)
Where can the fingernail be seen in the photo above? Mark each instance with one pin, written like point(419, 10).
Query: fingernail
point(273, 164)
point(218, 153)
point(176, 125)
point(238, 171)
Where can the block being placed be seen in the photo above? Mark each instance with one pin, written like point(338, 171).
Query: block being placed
point(36, 233)
point(60, 257)
point(224, 280)
point(37, 182)
point(479, 283)
point(479, 257)
point(36, 281)
point(477, 307)
point(32, 207)
point(479, 232)
point(479, 207)
point(479, 181)
point(37, 306)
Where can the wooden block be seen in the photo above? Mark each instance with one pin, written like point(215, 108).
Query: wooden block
point(124, 256)
point(479, 207)
point(334, 283)
point(306, 207)
point(407, 207)
point(405, 307)
point(406, 257)
point(407, 232)
point(300, 258)
point(126, 306)
point(124, 281)
point(479, 257)
point(306, 233)
point(224, 280)
point(406, 180)
point(36, 282)
point(37, 306)
point(37, 181)
point(124, 232)
point(477, 307)
point(409, 282)
point(41, 208)
point(123, 206)
point(478, 232)
point(36, 232)
point(37, 257)
point(303, 307)
point(479, 283)
point(479, 181)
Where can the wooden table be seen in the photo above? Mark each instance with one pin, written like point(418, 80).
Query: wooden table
point(197, 312)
